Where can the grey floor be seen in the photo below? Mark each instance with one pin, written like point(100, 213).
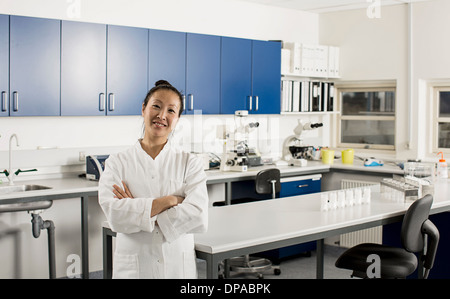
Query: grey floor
point(300, 267)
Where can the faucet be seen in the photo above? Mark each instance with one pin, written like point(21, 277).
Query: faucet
point(10, 174)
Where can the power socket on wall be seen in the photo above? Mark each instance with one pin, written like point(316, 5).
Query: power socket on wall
point(82, 156)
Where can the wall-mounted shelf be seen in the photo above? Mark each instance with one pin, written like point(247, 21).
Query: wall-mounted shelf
point(292, 76)
point(310, 113)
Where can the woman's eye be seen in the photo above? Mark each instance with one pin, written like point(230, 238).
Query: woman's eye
point(155, 106)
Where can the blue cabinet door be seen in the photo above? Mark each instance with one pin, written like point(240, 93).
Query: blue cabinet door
point(34, 66)
point(83, 68)
point(167, 58)
point(127, 70)
point(236, 74)
point(266, 76)
point(4, 65)
point(202, 73)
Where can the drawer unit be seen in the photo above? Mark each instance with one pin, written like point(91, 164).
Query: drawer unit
point(292, 186)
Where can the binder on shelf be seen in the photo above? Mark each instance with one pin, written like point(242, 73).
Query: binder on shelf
point(295, 96)
point(321, 61)
point(294, 57)
point(307, 96)
point(333, 62)
point(330, 99)
point(285, 61)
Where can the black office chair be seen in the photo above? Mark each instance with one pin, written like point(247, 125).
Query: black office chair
point(35, 208)
point(267, 181)
point(399, 262)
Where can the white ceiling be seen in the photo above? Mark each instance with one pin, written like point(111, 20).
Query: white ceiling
point(320, 6)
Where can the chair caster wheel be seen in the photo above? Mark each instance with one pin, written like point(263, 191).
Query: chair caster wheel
point(276, 271)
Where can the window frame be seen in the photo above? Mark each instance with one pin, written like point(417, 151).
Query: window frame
point(365, 87)
point(436, 89)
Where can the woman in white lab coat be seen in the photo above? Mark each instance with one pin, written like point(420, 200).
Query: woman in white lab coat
point(154, 196)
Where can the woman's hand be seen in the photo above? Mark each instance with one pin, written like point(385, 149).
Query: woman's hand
point(161, 204)
point(122, 193)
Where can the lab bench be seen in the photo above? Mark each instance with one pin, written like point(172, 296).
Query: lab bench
point(66, 187)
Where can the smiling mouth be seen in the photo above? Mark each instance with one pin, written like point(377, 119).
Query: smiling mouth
point(159, 125)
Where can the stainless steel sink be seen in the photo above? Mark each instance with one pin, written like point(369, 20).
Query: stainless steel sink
point(20, 188)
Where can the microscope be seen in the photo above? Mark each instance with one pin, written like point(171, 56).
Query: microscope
point(294, 152)
point(237, 156)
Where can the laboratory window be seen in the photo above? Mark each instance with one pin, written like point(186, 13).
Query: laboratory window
point(442, 119)
point(367, 118)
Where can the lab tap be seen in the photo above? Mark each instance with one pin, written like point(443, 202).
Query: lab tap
point(8, 172)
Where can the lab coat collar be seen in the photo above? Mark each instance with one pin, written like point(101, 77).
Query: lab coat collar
point(161, 154)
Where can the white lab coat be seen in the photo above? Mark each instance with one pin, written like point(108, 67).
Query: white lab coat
point(161, 246)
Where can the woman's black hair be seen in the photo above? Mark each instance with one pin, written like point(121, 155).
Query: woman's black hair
point(163, 84)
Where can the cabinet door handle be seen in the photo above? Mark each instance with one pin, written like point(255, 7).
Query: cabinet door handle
point(250, 103)
point(101, 101)
point(15, 101)
point(3, 100)
point(191, 102)
point(111, 101)
point(256, 103)
point(184, 102)
point(302, 186)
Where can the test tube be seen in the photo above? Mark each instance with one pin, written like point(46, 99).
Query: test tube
point(341, 198)
point(358, 196)
point(324, 202)
point(366, 195)
point(333, 201)
point(349, 200)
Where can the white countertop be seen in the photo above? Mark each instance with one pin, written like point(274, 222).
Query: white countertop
point(58, 187)
point(74, 185)
point(245, 225)
point(216, 175)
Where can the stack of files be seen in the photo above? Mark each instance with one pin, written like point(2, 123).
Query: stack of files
point(307, 96)
point(310, 60)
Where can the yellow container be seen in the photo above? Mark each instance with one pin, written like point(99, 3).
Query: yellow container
point(327, 156)
point(347, 156)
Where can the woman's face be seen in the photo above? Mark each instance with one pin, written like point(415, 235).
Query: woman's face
point(161, 113)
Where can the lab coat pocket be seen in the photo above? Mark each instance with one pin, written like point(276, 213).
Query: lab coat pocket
point(189, 264)
point(125, 266)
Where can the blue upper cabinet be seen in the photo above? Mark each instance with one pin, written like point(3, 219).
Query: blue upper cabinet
point(34, 66)
point(167, 58)
point(250, 76)
point(266, 77)
point(236, 74)
point(83, 68)
point(127, 70)
point(4, 65)
point(52, 67)
point(202, 73)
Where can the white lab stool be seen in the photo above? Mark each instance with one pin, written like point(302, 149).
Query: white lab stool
point(6, 231)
